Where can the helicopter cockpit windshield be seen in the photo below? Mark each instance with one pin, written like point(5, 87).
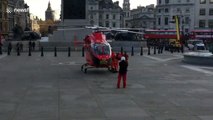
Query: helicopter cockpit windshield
point(101, 49)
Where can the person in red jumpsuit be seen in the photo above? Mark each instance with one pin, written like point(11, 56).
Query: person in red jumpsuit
point(122, 72)
point(113, 64)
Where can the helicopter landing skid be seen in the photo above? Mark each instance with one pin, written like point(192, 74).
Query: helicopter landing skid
point(85, 66)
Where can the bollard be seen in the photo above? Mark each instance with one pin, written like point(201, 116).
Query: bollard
point(18, 51)
point(132, 53)
point(42, 51)
point(82, 51)
point(149, 50)
point(29, 54)
point(69, 51)
point(0, 49)
point(9, 48)
point(55, 51)
point(154, 49)
point(141, 51)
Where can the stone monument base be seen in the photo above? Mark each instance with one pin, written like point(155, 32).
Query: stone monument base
point(70, 31)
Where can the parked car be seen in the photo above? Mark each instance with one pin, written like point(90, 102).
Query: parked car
point(31, 35)
point(196, 45)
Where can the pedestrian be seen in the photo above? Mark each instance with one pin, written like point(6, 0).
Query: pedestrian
point(122, 72)
point(1, 48)
point(21, 47)
point(1, 43)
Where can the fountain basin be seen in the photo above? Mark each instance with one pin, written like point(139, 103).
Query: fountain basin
point(198, 58)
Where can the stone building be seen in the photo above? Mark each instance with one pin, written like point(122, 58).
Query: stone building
point(193, 14)
point(143, 17)
point(203, 14)
point(34, 23)
point(126, 13)
point(104, 13)
point(3, 17)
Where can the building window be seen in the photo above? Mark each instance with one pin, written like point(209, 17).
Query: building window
point(187, 10)
point(114, 17)
point(211, 1)
point(159, 2)
point(188, 1)
point(159, 21)
point(91, 8)
point(106, 24)
point(159, 10)
point(166, 20)
point(211, 11)
point(100, 16)
point(91, 16)
point(114, 24)
point(100, 24)
point(166, 10)
point(202, 11)
point(210, 23)
point(166, 1)
point(107, 16)
point(202, 1)
point(187, 20)
point(202, 23)
point(178, 10)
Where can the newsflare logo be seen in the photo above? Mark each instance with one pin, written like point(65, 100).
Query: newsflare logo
point(9, 10)
point(17, 10)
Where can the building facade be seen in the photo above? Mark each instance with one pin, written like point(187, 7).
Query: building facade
point(166, 9)
point(126, 13)
point(143, 17)
point(104, 13)
point(34, 23)
point(3, 17)
point(49, 13)
point(193, 14)
point(203, 14)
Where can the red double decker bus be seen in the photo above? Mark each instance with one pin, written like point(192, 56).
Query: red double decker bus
point(160, 34)
point(201, 34)
point(167, 37)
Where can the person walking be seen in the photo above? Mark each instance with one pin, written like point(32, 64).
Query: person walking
point(122, 72)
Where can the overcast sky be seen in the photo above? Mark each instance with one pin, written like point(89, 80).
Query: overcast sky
point(38, 7)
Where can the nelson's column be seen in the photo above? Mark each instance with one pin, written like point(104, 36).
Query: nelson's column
point(73, 21)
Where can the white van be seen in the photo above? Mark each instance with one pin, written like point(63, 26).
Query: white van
point(196, 45)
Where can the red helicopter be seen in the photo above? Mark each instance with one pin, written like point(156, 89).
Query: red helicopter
point(97, 51)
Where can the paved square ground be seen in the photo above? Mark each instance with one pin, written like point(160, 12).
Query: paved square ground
point(160, 87)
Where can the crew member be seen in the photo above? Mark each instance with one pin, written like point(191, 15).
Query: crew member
point(113, 64)
point(122, 72)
